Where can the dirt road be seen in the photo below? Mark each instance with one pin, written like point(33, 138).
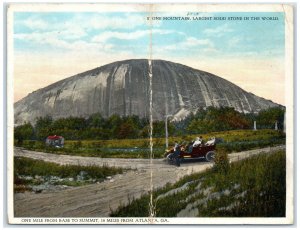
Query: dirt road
point(97, 200)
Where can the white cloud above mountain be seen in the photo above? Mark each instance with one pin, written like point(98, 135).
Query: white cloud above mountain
point(218, 31)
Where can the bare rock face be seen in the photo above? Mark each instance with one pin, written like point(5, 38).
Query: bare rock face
point(124, 88)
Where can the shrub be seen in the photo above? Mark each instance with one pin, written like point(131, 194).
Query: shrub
point(221, 164)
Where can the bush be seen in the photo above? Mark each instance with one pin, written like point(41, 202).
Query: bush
point(221, 164)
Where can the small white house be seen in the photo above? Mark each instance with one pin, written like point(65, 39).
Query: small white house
point(56, 141)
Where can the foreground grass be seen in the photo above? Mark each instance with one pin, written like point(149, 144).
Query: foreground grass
point(28, 167)
point(254, 187)
point(234, 141)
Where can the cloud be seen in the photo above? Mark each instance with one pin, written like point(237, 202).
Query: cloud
point(73, 32)
point(54, 40)
point(191, 41)
point(34, 23)
point(188, 43)
point(75, 27)
point(234, 41)
point(128, 21)
point(105, 36)
point(42, 38)
point(218, 31)
point(86, 22)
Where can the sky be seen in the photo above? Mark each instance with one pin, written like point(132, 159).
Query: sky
point(50, 46)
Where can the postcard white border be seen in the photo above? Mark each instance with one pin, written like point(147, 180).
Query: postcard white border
point(131, 7)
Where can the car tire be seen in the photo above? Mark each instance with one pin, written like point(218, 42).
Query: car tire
point(210, 156)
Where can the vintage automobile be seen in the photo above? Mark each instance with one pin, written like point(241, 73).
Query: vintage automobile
point(203, 151)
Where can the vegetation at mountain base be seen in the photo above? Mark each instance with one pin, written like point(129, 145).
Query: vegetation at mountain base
point(254, 187)
point(96, 127)
point(233, 141)
point(25, 168)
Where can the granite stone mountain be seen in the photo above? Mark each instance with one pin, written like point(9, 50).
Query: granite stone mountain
point(123, 88)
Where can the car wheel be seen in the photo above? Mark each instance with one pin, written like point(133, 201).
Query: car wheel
point(210, 156)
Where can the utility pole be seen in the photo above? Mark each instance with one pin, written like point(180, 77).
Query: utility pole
point(254, 125)
point(166, 127)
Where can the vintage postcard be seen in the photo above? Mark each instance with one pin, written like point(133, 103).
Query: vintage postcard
point(150, 113)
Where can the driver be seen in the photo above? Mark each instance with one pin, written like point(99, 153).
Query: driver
point(176, 153)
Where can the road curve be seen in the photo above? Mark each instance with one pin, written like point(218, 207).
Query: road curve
point(97, 200)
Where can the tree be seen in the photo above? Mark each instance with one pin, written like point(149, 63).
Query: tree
point(23, 132)
point(127, 130)
point(144, 132)
point(267, 118)
point(112, 124)
point(96, 121)
point(43, 127)
point(218, 119)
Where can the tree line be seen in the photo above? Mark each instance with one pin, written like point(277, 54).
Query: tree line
point(97, 127)
point(226, 118)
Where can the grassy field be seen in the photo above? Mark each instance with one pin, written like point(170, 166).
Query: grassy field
point(236, 140)
point(254, 187)
point(34, 172)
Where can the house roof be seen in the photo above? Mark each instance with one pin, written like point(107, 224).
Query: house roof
point(55, 137)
